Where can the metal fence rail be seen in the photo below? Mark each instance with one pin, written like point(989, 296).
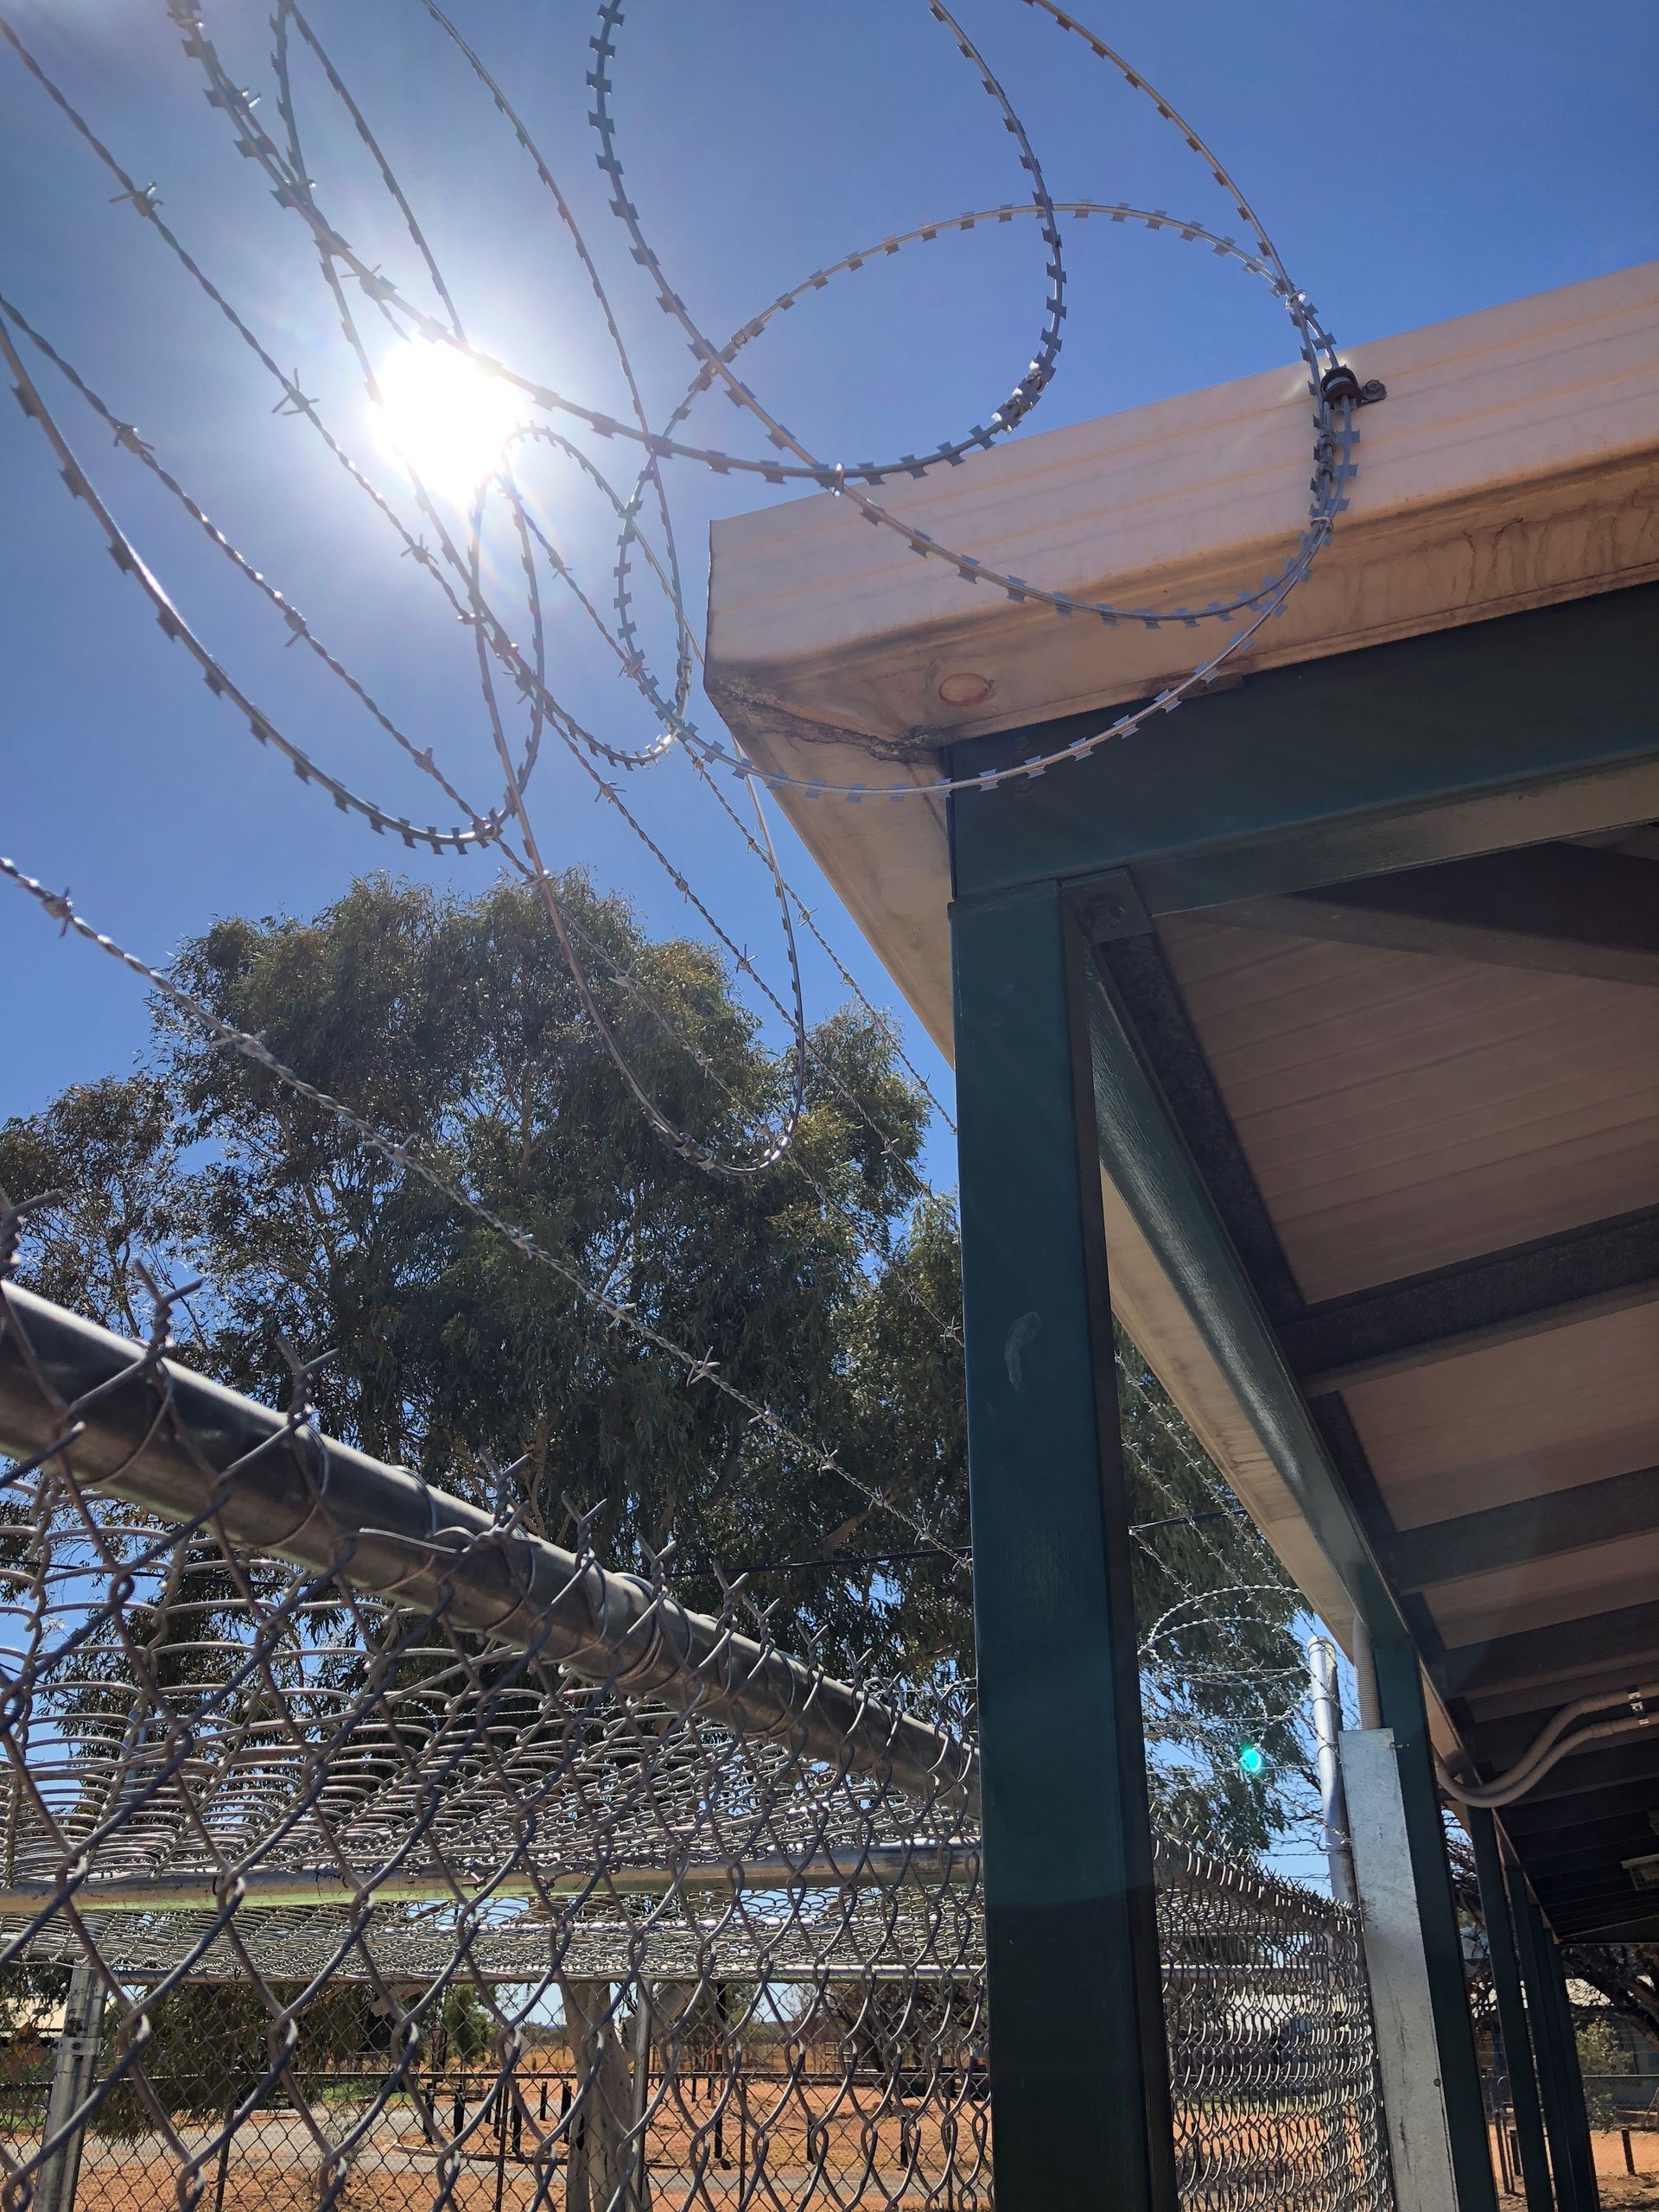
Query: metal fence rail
point(152, 1432)
point(386, 1856)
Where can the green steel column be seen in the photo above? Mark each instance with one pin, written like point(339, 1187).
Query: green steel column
point(1511, 2011)
point(1575, 2182)
point(1583, 2151)
point(1080, 2080)
point(1399, 1694)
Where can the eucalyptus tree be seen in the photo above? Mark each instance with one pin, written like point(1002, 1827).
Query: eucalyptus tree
point(825, 1287)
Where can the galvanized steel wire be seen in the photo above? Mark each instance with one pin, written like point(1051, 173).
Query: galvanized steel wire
point(408, 1858)
point(409, 1855)
point(277, 157)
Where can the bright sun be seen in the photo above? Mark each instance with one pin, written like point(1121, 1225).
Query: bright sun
point(444, 415)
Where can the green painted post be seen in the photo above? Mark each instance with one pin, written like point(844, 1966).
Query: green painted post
point(1512, 2012)
point(1399, 1694)
point(1568, 2157)
point(1079, 2072)
point(1583, 2151)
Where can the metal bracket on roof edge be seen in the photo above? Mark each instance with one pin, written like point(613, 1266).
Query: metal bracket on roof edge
point(1111, 908)
point(1340, 383)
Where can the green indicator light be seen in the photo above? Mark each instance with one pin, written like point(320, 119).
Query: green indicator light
point(1251, 1759)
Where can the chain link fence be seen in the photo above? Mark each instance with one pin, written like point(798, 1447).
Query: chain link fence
point(360, 1849)
point(1272, 2057)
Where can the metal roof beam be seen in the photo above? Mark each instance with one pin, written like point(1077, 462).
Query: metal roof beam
point(1127, 947)
point(1590, 1850)
point(1550, 1655)
point(1597, 1920)
point(1573, 910)
point(1528, 1818)
point(1532, 1528)
point(1630, 1928)
point(1579, 1893)
point(1163, 1190)
point(1532, 1704)
point(1602, 1266)
point(1532, 725)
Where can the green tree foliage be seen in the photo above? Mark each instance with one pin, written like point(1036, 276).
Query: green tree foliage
point(455, 1023)
point(1626, 1975)
point(30, 1997)
point(1603, 2057)
point(209, 2046)
point(466, 2029)
point(827, 1289)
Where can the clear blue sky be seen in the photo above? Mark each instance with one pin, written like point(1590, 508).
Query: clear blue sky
point(1413, 161)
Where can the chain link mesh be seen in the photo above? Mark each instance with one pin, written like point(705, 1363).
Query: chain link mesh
point(361, 1851)
point(1272, 2054)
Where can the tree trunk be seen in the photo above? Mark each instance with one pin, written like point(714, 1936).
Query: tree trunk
point(599, 2158)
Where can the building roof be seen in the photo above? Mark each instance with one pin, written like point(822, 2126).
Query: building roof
point(1409, 1038)
point(1514, 464)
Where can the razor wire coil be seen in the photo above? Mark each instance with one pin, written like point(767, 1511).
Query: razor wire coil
point(279, 158)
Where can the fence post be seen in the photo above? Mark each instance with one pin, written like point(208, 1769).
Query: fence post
point(1511, 2011)
point(1325, 1707)
point(1506, 2178)
point(497, 2107)
point(639, 2186)
point(72, 2080)
point(1326, 1703)
point(1079, 2074)
point(222, 2175)
point(1414, 2106)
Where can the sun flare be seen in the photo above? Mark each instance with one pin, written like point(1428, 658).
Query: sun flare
point(444, 416)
